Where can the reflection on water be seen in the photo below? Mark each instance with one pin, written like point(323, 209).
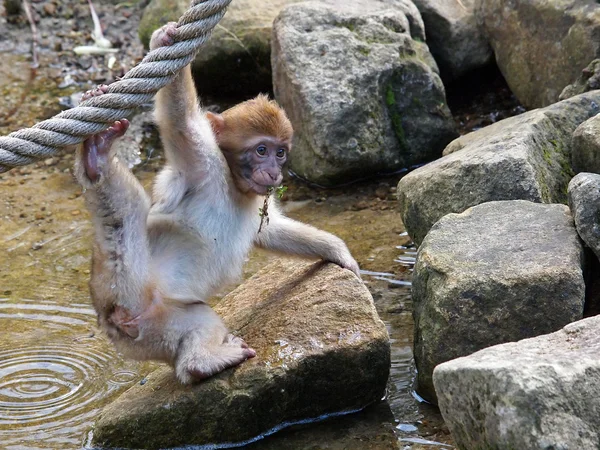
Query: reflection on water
point(57, 370)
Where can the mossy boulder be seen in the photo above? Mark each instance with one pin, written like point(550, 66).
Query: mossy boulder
point(361, 89)
point(524, 157)
point(321, 348)
point(236, 59)
point(498, 272)
point(541, 46)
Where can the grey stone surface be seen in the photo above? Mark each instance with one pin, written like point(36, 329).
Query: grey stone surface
point(585, 155)
point(321, 348)
point(455, 40)
point(584, 201)
point(541, 46)
point(498, 272)
point(524, 157)
point(361, 89)
point(539, 393)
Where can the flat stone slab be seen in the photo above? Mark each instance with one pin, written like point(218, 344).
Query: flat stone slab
point(526, 157)
point(498, 272)
point(539, 393)
point(321, 348)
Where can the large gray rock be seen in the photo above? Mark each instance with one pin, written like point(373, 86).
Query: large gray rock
point(584, 201)
point(498, 272)
point(541, 46)
point(589, 80)
point(524, 157)
point(455, 40)
point(540, 393)
point(321, 349)
point(361, 89)
point(586, 146)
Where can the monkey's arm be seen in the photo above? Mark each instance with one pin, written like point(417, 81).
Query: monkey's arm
point(188, 139)
point(286, 235)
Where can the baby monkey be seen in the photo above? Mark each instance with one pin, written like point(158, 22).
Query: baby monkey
point(156, 262)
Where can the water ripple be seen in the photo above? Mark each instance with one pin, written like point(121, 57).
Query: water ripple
point(47, 382)
point(51, 394)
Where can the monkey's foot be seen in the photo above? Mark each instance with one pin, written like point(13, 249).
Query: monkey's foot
point(206, 362)
point(99, 90)
point(97, 147)
point(235, 341)
point(164, 36)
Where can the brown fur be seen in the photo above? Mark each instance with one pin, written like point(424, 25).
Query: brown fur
point(259, 116)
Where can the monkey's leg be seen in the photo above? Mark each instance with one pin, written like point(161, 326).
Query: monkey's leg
point(209, 348)
point(119, 208)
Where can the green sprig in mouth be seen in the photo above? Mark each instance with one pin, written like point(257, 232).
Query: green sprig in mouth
point(264, 211)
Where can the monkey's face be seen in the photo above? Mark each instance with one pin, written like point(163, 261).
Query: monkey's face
point(260, 164)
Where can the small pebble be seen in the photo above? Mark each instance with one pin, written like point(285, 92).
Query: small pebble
point(50, 9)
point(360, 205)
point(382, 192)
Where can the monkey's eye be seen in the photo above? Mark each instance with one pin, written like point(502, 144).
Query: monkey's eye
point(261, 150)
point(280, 153)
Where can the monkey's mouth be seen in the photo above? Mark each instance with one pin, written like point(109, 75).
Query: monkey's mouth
point(264, 183)
point(263, 189)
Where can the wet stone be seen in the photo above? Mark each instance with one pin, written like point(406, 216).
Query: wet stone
point(321, 349)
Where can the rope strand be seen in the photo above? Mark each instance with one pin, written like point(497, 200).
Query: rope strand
point(137, 87)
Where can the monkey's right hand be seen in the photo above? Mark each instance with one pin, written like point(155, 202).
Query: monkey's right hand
point(164, 36)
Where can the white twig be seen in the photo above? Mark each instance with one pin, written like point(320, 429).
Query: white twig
point(34, 35)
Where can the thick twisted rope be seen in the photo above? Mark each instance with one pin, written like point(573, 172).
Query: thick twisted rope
point(137, 87)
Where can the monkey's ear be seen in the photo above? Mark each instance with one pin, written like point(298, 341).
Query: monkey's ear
point(217, 122)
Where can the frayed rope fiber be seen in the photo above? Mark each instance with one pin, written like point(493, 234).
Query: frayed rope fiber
point(137, 87)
